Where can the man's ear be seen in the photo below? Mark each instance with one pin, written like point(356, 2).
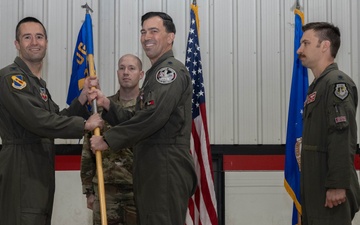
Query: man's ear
point(171, 38)
point(17, 44)
point(326, 45)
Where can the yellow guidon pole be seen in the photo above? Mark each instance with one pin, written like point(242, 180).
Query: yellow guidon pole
point(98, 155)
point(99, 168)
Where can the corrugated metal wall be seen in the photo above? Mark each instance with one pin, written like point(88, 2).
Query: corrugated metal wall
point(247, 52)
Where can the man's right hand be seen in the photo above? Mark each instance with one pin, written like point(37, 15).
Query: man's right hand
point(90, 201)
point(93, 122)
point(101, 99)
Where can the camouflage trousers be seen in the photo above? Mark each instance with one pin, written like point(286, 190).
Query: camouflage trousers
point(120, 205)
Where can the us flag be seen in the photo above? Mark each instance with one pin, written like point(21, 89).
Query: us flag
point(202, 205)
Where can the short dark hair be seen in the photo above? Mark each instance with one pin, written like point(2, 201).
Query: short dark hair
point(167, 20)
point(326, 31)
point(26, 20)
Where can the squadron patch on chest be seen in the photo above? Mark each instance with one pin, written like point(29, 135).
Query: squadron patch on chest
point(166, 75)
point(341, 91)
point(18, 82)
point(43, 94)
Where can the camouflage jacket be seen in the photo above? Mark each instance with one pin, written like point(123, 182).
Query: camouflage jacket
point(117, 164)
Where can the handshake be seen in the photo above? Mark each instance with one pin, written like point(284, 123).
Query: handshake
point(91, 91)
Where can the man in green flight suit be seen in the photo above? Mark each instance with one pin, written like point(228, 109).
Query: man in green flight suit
point(164, 174)
point(29, 122)
point(117, 164)
point(330, 192)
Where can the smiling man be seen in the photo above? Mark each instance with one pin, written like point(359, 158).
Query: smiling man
point(164, 174)
point(29, 122)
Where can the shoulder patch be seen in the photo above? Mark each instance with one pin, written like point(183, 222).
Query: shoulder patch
point(18, 82)
point(165, 75)
point(341, 91)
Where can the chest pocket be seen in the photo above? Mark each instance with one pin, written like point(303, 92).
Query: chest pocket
point(314, 121)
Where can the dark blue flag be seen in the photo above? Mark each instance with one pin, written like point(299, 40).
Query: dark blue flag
point(84, 51)
point(299, 86)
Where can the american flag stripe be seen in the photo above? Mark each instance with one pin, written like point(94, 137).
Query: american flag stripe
point(206, 197)
point(202, 206)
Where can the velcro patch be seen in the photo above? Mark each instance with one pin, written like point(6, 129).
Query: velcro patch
point(43, 94)
point(149, 103)
point(166, 75)
point(341, 91)
point(18, 82)
point(310, 98)
point(340, 119)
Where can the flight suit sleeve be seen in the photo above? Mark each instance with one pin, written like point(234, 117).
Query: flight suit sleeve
point(116, 114)
point(30, 110)
point(342, 137)
point(159, 103)
point(76, 109)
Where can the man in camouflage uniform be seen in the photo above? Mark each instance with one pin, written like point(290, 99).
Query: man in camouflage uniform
point(330, 193)
point(117, 164)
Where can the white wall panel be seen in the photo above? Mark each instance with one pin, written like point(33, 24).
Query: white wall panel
point(223, 76)
point(244, 72)
point(57, 51)
point(270, 73)
point(34, 8)
point(108, 28)
point(247, 52)
point(9, 13)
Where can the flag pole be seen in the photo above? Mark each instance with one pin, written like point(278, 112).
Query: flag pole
point(98, 155)
point(298, 7)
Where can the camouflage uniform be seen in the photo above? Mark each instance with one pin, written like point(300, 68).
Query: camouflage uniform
point(117, 170)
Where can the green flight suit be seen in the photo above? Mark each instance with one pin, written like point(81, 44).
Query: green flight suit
point(29, 122)
point(164, 174)
point(328, 148)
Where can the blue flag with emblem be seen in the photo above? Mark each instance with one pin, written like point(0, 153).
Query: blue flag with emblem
point(80, 65)
point(299, 86)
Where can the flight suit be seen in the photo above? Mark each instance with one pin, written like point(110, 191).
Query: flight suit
point(29, 122)
point(328, 148)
